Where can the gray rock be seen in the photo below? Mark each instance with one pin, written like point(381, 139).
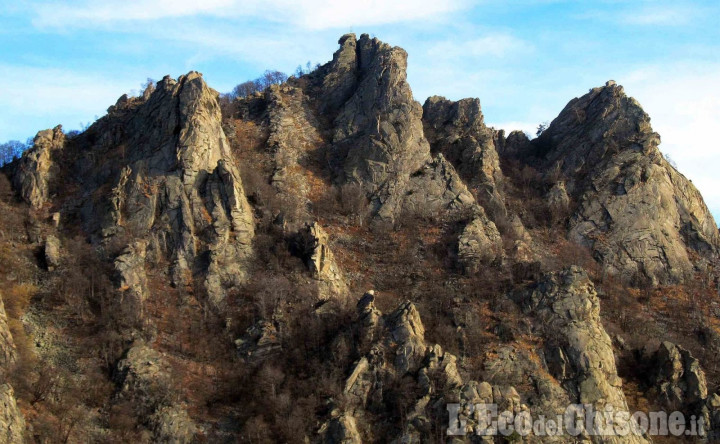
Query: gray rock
point(398, 351)
point(8, 352)
point(436, 189)
point(132, 279)
point(678, 377)
point(558, 199)
point(479, 244)
point(567, 305)
point(160, 170)
point(378, 137)
point(637, 212)
point(34, 171)
point(52, 252)
point(458, 131)
point(171, 424)
point(313, 245)
point(144, 378)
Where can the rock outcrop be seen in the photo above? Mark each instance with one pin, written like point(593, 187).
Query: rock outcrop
point(581, 357)
point(378, 138)
point(144, 378)
point(294, 139)
point(436, 189)
point(34, 171)
point(260, 341)
point(680, 383)
point(159, 169)
point(458, 131)
point(312, 244)
point(479, 244)
point(132, 280)
point(394, 352)
point(678, 378)
point(636, 212)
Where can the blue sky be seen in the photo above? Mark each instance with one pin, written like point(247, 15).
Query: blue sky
point(67, 61)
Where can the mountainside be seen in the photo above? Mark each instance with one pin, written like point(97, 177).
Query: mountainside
point(328, 260)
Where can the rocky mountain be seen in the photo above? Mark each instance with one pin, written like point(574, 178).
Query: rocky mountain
point(328, 260)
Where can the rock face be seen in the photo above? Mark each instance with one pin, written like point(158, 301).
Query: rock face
point(395, 350)
point(678, 377)
point(34, 171)
point(132, 280)
point(8, 353)
point(295, 139)
point(436, 189)
point(172, 182)
point(144, 378)
point(637, 213)
point(313, 247)
point(680, 384)
point(479, 244)
point(12, 423)
point(458, 131)
point(582, 358)
point(377, 137)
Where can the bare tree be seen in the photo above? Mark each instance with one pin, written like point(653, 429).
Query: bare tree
point(11, 150)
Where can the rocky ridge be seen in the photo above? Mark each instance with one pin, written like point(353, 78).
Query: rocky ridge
point(156, 187)
point(640, 216)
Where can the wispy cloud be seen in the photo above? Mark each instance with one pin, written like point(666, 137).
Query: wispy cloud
point(311, 15)
point(648, 13)
point(661, 15)
point(490, 45)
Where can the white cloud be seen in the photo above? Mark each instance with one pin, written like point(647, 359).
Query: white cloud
point(82, 14)
point(683, 101)
point(660, 15)
point(309, 14)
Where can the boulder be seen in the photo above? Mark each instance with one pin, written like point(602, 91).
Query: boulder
point(132, 280)
point(52, 252)
point(479, 244)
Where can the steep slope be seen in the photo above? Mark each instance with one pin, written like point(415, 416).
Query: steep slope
point(187, 269)
point(377, 138)
point(457, 129)
point(641, 217)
